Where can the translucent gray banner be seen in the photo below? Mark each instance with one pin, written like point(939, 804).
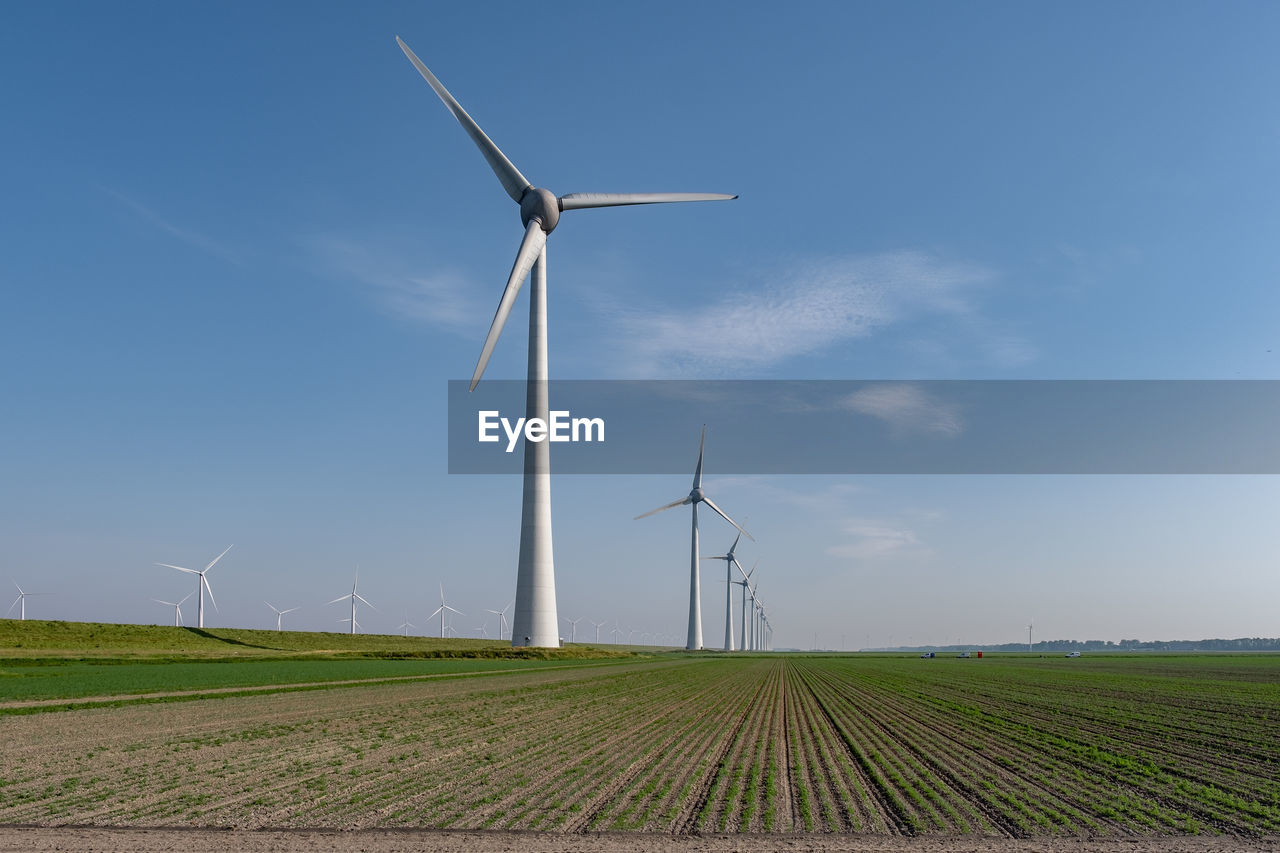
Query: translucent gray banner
point(877, 427)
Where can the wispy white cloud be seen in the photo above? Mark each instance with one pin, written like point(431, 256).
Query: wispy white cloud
point(810, 309)
point(906, 407)
point(440, 297)
point(874, 538)
point(168, 226)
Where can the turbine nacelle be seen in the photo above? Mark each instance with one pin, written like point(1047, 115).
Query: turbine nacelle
point(542, 205)
point(696, 496)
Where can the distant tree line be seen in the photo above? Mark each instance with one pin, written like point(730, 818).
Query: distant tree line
point(1241, 644)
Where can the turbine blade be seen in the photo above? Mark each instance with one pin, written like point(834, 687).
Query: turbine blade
point(579, 201)
point(512, 181)
point(269, 604)
point(341, 598)
point(179, 568)
point(720, 512)
point(734, 546)
point(290, 610)
point(219, 557)
point(436, 612)
point(697, 474)
point(15, 583)
point(680, 502)
point(205, 581)
point(451, 610)
point(11, 606)
point(170, 603)
point(365, 600)
point(535, 239)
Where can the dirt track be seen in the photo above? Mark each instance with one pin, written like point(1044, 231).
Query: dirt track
point(401, 841)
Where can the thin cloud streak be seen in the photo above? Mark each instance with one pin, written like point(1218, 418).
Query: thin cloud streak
point(444, 298)
point(875, 538)
point(812, 309)
point(906, 408)
point(186, 235)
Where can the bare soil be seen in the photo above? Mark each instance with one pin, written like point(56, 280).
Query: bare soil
point(163, 840)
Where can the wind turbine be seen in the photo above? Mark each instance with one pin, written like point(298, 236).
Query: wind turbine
point(695, 497)
point(573, 632)
point(597, 627)
point(202, 583)
point(354, 596)
point(177, 608)
point(442, 608)
point(535, 622)
point(21, 601)
point(502, 615)
point(281, 613)
point(1029, 624)
point(744, 583)
point(729, 562)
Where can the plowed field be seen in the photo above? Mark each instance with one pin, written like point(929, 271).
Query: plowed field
point(855, 746)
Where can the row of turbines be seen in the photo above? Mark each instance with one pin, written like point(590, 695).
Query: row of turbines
point(535, 619)
point(354, 598)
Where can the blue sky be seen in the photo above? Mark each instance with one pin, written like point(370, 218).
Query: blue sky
point(245, 247)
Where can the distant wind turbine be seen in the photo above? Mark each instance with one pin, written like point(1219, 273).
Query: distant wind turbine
point(406, 624)
point(695, 497)
point(598, 625)
point(744, 583)
point(573, 632)
point(730, 562)
point(502, 615)
point(441, 609)
point(177, 608)
point(1029, 624)
point(354, 597)
point(535, 622)
point(21, 601)
point(202, 584)
point(280, 613)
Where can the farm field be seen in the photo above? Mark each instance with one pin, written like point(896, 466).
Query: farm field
point(836, 746)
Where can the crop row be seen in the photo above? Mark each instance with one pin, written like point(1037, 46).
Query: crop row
point(737, 744)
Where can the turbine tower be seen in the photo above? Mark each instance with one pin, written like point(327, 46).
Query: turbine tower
point(535, 621)
point(202, 583)
point(730, 562)
point(695, 497)
point(1029, 624)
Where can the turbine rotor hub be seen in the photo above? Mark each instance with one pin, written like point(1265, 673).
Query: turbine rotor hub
point(542, 205)
point(696, 496)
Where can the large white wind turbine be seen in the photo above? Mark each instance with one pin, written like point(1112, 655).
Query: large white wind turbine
point(202, 584)
point(354, 596)
point(177, 608)
point(442, 608)
point(535, 622)
point(695, 497)
point(280, 613)
point(730, 562)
